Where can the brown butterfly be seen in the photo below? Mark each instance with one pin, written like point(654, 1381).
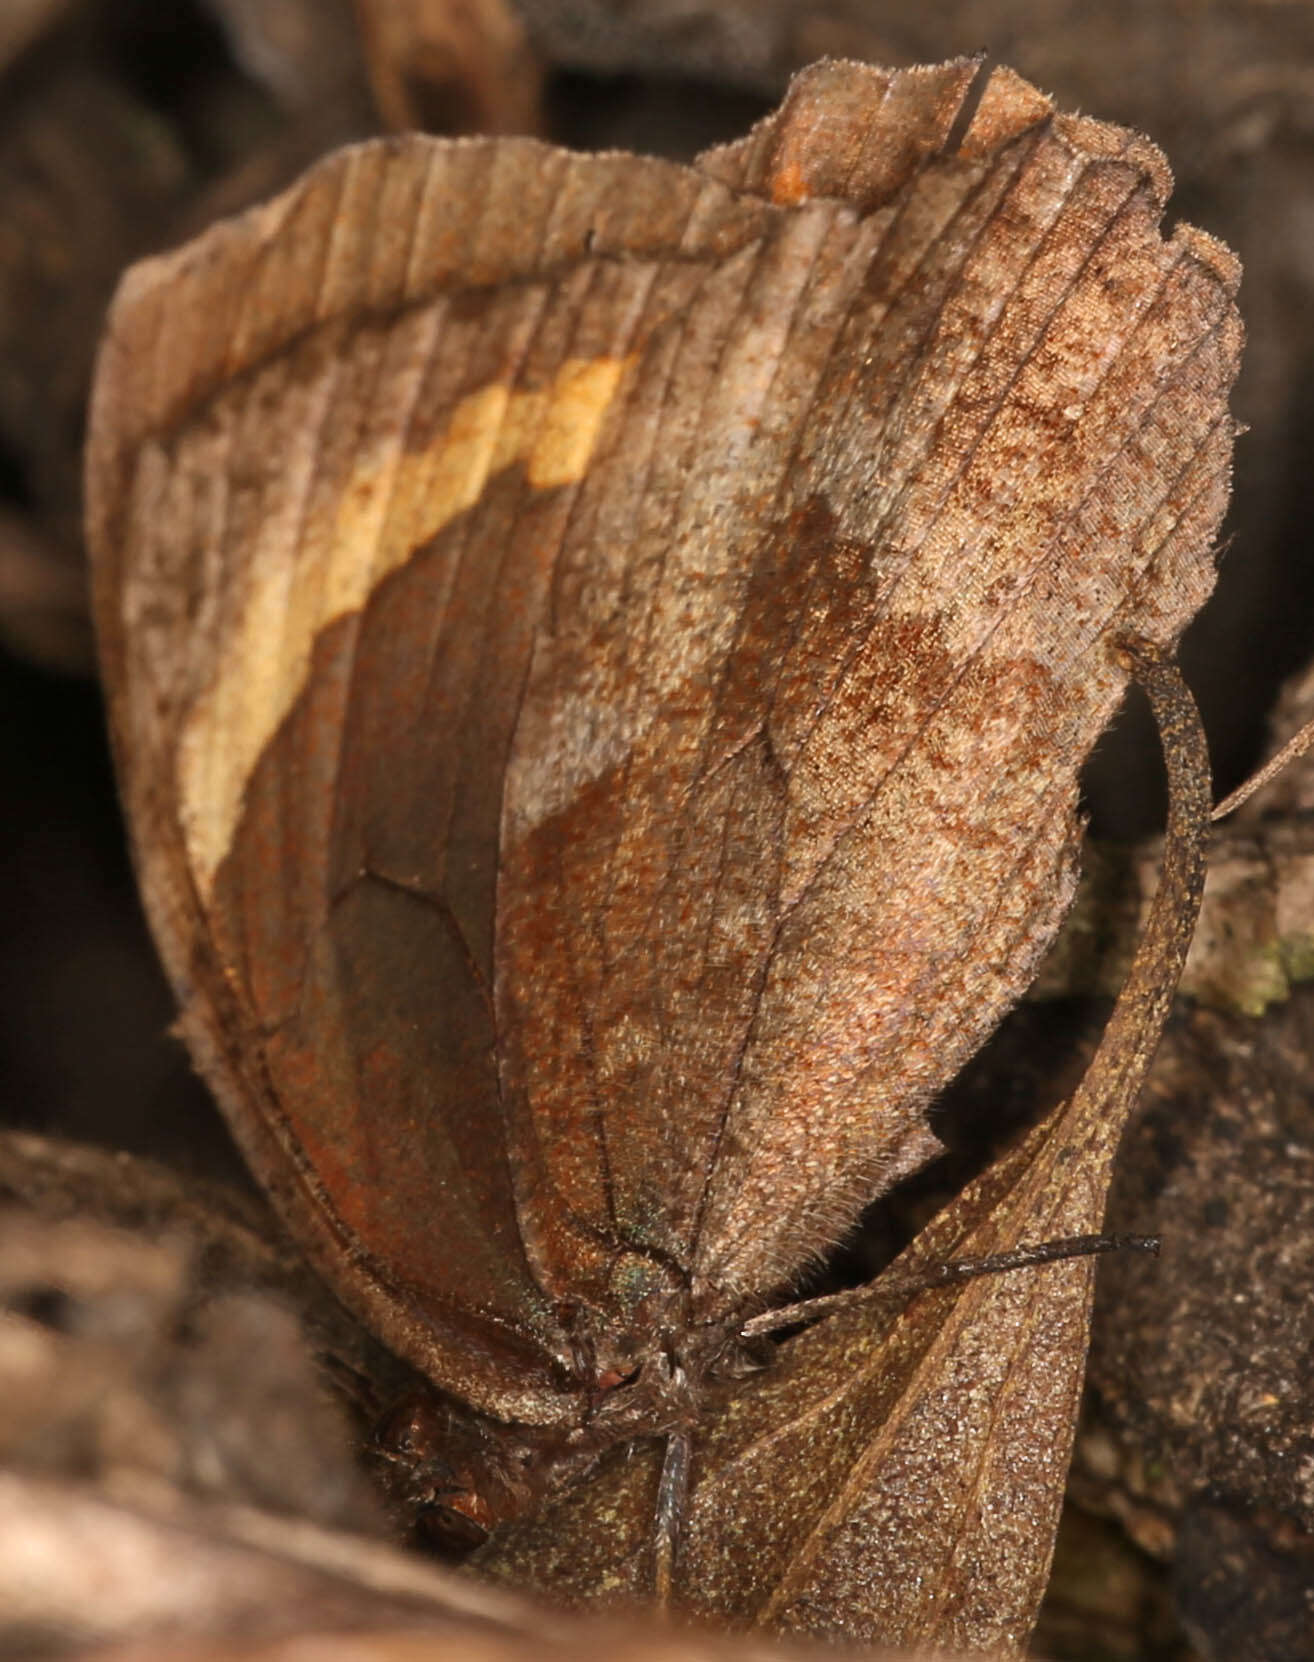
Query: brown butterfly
point(599, 656)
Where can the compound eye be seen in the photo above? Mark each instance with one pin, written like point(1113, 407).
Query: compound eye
point(610, 1379)
point(447, 1529)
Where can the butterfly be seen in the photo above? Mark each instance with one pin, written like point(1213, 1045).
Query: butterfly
point(599, 654)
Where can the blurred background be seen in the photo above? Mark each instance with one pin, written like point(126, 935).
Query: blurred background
point(126, 125)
